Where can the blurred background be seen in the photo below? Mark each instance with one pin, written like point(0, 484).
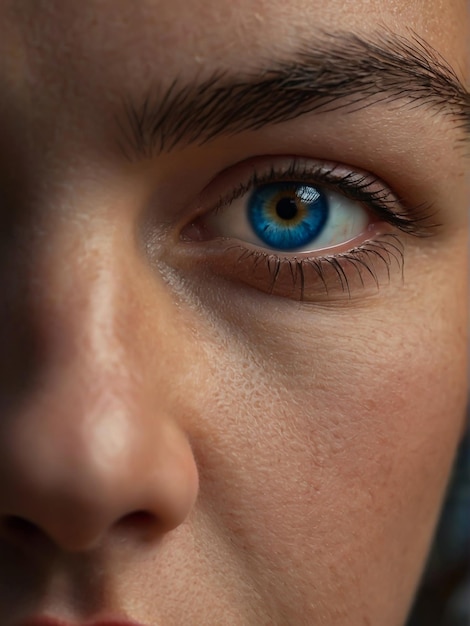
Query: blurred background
point(444, 596)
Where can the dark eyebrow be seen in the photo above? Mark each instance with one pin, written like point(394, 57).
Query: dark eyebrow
point(339, 71)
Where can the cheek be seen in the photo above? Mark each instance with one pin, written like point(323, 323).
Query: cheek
point(328, 457)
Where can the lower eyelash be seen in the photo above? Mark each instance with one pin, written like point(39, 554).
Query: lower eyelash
point(388, 250)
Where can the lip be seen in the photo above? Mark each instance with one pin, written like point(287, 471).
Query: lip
point(53, 621)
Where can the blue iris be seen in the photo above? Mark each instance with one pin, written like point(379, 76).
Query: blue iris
point(287, 215)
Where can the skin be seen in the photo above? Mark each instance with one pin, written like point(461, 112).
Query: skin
point(174, 445)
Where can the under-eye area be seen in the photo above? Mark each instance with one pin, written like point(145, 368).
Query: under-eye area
point(358, 272)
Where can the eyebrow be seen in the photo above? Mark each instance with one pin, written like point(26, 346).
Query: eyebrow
point(341, 71)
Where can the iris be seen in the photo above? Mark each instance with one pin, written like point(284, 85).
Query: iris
point(287, 215)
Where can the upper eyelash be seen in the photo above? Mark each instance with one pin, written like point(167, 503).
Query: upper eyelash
point(356, 186)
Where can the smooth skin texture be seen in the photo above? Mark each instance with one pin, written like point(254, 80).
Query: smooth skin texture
point(177, 445)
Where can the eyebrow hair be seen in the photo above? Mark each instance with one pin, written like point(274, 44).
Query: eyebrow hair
point(339, 71)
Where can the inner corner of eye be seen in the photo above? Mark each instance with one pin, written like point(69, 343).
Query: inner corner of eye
point(196, 230)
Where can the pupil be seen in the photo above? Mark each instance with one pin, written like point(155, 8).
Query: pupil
point(286, 208)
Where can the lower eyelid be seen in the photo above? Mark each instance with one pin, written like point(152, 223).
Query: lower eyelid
point(355, 272)
point(210, 243)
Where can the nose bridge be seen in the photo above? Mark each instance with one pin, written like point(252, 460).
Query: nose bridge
point(80, 293)
point(95, 438)
point(65, 296)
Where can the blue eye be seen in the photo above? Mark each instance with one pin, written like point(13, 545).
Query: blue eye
point(288, 216)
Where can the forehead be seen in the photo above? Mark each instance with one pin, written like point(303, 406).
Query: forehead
point(132, 40)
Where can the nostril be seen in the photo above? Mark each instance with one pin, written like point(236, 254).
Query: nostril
point(143, 522)
point(22, 530)
point(138, 518)
point(19, 525)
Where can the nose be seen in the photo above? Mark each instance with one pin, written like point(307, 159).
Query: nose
point(95, 441)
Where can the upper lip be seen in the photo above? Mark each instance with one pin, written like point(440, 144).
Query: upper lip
point(52, 621)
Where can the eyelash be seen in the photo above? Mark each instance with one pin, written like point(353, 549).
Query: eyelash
point(387, 248)
point(353, 185)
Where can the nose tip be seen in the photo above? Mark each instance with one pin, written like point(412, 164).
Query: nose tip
point(110, 474)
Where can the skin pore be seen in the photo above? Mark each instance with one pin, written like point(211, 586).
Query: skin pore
point(194, 430)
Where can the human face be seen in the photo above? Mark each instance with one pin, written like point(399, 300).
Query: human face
point(190, 434)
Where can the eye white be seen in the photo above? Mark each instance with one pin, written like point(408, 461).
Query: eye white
point(347, 219)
